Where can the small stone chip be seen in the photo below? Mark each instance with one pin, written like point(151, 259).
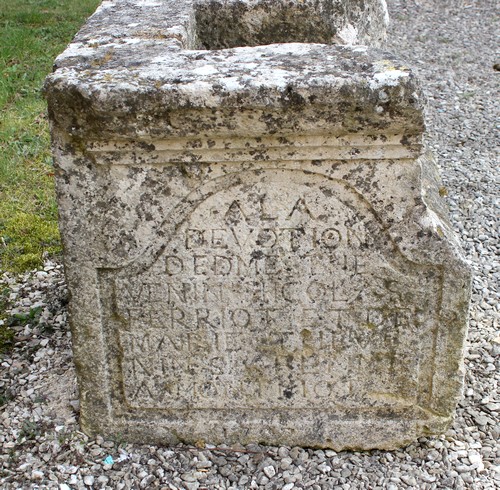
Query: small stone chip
point(481, 420)
point(147, 481)
point(269, 471)
point(286, 463)
point(324, 468)
point(37, 475)
point(88, 480)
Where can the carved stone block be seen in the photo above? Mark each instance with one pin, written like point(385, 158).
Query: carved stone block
point(255, 245)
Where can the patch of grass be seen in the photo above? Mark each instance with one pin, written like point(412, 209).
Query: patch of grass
point(6, 339)
point(468, 95)
point(26, 237)
point(5, 396)
point(32, 34)
point(22, 319)
point(30, 430)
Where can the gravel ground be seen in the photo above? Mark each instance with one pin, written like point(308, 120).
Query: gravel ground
point(451, 44)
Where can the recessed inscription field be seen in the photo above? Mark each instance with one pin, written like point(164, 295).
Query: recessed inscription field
point(269, 309)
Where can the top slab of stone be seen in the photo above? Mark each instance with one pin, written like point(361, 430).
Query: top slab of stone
point(119, 68)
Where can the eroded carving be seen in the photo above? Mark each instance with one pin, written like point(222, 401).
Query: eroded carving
point(289, 295)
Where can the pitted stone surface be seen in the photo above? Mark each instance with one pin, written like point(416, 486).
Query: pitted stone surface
point(311, 88)
point(255, 244)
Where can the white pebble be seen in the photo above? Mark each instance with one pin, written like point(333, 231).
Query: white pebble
point(269, 471)
point(88, 480)
point(37, 475)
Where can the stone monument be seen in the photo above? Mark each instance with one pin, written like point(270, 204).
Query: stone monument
point(255, 244)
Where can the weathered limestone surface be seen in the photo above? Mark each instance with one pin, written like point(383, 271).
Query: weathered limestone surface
point(255, 244)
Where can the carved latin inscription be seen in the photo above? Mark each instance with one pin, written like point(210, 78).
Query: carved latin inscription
point(259, 295)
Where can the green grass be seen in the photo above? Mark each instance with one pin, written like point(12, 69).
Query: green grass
point(32, 34)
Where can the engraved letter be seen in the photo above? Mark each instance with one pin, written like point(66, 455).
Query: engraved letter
point(240, 317)
point(218, 238)
point(235, 215)
point(263, 214)
point(300, 207)
point(266, 238)
point(198, 264)
point(222, 265)
point(315, 291)
point(194, 238)
point(173, 265)
point(286, 291)
point(330, 238)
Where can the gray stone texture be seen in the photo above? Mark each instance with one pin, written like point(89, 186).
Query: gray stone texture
point(255, 244)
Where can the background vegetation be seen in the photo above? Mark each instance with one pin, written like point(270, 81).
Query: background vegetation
point(32, 34)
